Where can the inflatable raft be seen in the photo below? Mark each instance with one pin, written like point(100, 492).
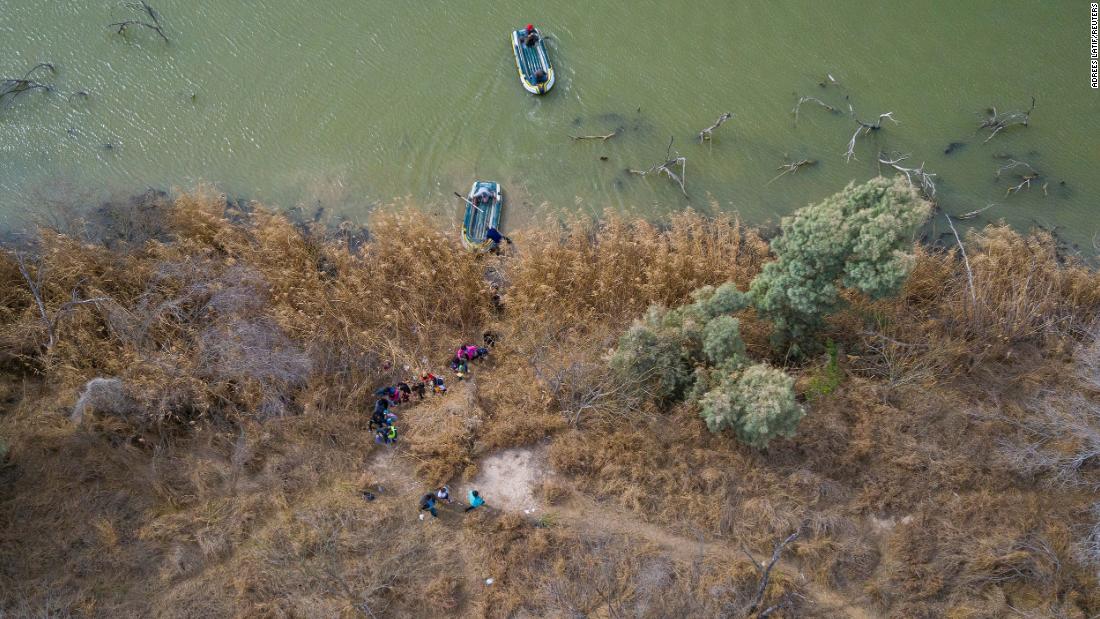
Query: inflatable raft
point(535, 70)
point(480, 216)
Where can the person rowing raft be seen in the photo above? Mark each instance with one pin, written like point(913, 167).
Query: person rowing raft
point(483, 195)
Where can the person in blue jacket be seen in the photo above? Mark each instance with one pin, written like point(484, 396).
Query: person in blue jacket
point(428, 504)
point(475, 500)
point(496, 237)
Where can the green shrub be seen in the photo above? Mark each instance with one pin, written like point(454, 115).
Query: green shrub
point(725, 299)
point(660, 352)
point(758, 404)
point(696, 352)
point(722, 343)
point(856, 239)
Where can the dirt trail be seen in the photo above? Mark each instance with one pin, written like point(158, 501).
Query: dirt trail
point(508, 480)
point(583, 512)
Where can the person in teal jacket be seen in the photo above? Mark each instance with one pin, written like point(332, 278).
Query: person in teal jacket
point(475, 500)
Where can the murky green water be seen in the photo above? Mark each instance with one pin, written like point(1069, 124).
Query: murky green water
point(352, 103)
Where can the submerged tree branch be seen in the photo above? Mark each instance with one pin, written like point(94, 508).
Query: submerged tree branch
point(666, 168)
point(791, 167)
point(975, 213)
point(801, 100)
point(924, 179)
point(996, 122)
point(1029, 176)
point(15, 86)
point(706, 134)
point(864, 128)
point(123, 25)
point(595, 137)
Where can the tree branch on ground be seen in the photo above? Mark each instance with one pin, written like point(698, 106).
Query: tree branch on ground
point(34, 284)
point(1060, 439)
point(997, 122)
point(583, 388)
point(666, 168)
point(966, 261)
point(765, 572)
point(706, 134)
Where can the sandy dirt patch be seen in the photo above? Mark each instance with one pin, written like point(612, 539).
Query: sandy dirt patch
point(508, 479)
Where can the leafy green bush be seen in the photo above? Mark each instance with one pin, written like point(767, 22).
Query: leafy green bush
point(659, 351)
point(758, 404)
point(696, 352)
point(722, 343)
point(725, 299)
point(856, 239)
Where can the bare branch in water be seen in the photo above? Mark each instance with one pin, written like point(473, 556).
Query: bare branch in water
point(975, 213)
point(863, 129)
point(705, 134)
point(124, 25)
point(791, 167)
point(926, 180)
point(15, 86)
point(851, 152)
point(996, 122)
point(595, 137)
point(1025, 183)
point(875, 126)
point(148, 10)
point(801, 100)
point(666, 168)
point(1026, 178)
point(1012, 164)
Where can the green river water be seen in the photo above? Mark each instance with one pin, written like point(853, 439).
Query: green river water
point(352, 104)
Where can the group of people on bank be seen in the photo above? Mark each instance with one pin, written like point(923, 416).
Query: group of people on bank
point(430, 500)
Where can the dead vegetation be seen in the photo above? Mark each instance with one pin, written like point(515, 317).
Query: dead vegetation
point(221, 449)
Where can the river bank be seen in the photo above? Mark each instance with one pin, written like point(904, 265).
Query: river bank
point(358, 105)
point(225, 476)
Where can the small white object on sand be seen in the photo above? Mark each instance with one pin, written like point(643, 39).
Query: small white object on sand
point(488, 581)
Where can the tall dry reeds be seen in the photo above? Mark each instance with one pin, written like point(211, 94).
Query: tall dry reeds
point(583, 271)
point(249, 346)
point(240, 316)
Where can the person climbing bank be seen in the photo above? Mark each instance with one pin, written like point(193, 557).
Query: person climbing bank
point(475, 500)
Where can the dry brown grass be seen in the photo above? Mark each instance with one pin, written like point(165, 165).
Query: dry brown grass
point(583, 272)
point(250, 345)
